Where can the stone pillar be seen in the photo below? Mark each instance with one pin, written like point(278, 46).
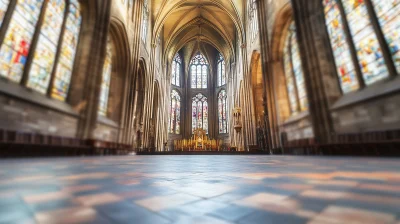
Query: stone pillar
point(312, 39)
point(134, 31)
point(91, 69)
point(270, 119)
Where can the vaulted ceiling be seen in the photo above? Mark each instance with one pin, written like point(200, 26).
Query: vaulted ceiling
point(185, 22)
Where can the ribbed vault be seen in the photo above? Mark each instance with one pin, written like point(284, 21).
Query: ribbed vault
point(215, 22)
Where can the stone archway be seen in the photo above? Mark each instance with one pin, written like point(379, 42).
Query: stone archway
point(138, 110)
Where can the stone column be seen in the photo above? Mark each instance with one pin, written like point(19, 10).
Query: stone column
point(91, 69)
point(134, 31)
point(270, 114)
point(312, 39)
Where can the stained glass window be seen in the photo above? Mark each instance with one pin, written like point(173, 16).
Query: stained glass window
point(290, 85)
point(3, 9)
point(221, 71)
point(43, 61)
point(345, 67)
point(176, 71)
point(16, 44)
point(67, 54)
point(222, 112)
point(175, 113)
point(364, 37)
point(145, 20)
point(105, 83)
point(199, 72)
point(294, 72)
point(253, 19)
point(369, 52)
point(200, 112)
point(388, 12)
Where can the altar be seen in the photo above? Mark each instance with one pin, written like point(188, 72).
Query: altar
point(198, 142)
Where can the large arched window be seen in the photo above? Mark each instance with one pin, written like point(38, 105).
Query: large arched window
point(358, 52)
point(200, 112)
point(175, 113)
point(105, 81)
point(221, 71)
point(294, 72)
point(176, 70)
point(145, 20)
point(222, 112)
point(253, 19)
point(199, 72)
point(46, 70)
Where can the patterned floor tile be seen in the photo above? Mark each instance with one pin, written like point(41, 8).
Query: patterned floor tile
point(200, 189)
point(97, 199)
point(67, 215)
point(334, 214)
point(166, 202)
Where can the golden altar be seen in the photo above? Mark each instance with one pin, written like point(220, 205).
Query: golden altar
point(198, 142)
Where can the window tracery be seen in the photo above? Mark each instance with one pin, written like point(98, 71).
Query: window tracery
point(48, 74)
point(222, 112)
point(199, 72)
point(294, 73)
point(199, 112)
point(175, 113)
point(351, 31)
point(221, 76)
point(176, 70)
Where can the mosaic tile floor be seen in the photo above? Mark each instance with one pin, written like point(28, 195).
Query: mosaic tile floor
point(200, 189)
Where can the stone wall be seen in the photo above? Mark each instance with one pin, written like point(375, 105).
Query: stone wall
point(374, 115)
point(19, 115)
point(106, 132)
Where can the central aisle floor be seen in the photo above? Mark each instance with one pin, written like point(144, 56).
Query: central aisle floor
point(200, 189)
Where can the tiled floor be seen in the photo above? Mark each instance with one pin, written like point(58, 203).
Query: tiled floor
point(200, 189)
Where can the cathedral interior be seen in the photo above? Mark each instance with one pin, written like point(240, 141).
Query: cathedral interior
point(200, 111)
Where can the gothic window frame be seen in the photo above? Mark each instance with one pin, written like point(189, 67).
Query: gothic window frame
point(145, 20)
point(176, 71)
point(221, 71)
point(375, 35)
point(200, 120)
point(199, 72)
point(253, 19)
point(104, 95)
point(294, 74)
point(174, 125)
point(40, 26)
point(222, 112)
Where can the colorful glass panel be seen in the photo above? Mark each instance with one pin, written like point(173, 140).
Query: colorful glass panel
point(290, 85)
point(369, 52)
point(298, 71)
point(221, 71)
point(222, 109)
point(45, 53)
point(199, 72)
point(175, 118)
point(341, 50)
point(105, 83)
point(200, 112)
point(16, 44)
point(67, 54)
point(388, 13)
point(294, 72)
point(176, 71)
point(3, 9)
